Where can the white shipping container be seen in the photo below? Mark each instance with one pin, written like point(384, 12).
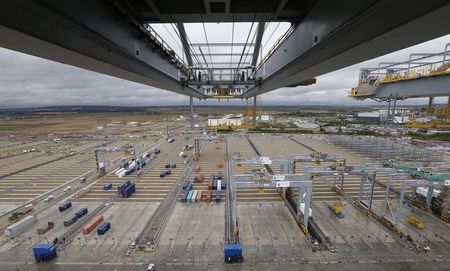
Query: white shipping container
point(121, 172)
point(117, 171)
point(132, 165)
point(181, 154)
point(194, 196)
point(82, 192)
point(424, 191)
point(20, 225)
point(219, 185)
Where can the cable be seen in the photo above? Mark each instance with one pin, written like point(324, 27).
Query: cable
point(231, 55)
point(207, 43)
point(246, 42)
point(187, 40)
point(179, 45)
point(273, 32)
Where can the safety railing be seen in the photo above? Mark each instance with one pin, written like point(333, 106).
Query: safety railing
point(419, 65)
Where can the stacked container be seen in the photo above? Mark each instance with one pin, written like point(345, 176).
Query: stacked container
point(126, 189)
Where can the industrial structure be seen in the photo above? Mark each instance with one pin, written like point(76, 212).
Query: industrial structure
point(204, 200)
point(119, 38)
point(422, 75)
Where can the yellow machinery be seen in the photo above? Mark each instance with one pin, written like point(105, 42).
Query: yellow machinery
point(415, 222)
point(336, 208)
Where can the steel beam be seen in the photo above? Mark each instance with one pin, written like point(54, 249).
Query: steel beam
point(337, 34)
point(88, 35)
point(184, 42)
point(259, 36)
point(435, 86)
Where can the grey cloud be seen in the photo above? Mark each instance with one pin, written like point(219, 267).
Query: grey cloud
point(27, 81)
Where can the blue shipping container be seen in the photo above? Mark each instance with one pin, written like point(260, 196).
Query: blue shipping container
point(218, 194)
point(128, 191)
point(107, 186)
point(81, 212)
point(185, 195)
point(44, 252)
point(233, 253)
point(185, 184)
point(103, 227)
point(189, 187)
point(65, 206)
point(121, 187)
point(223, 185)
point(189, 196)
point(214, 185)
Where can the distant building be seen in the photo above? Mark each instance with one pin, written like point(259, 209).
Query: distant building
point(265, 117)
point(226, 121)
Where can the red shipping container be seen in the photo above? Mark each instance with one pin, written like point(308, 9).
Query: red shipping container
point(92, 225)
point(210, 185)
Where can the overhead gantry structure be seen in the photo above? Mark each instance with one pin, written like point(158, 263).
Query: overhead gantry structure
point(116, 37)
point(422, 75)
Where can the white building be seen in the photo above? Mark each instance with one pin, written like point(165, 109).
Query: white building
point(230, 121)
point(265, 117)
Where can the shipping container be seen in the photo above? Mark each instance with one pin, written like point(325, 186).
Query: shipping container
point(82, 192)
point(168, 172)
point(20, 225)
point(219, 185)
point(44, 252)
point(195, 179)
point(200, 179)
point(65, 206)
point(167, 166)
point(219, 176)
point(81, 212)
point(196, 168)
point(189, 196)
point(194, 195)
point(173, 165)
point(92, 224)
point(218, 196)
point(103, 227)
point(162, 174)
point(199, 196)
point(50, 225)
point(185, 195)
point(210, 185)
point(208, 196)
point(129, 190)
point(69, 222)
point(118, 171)
point(223, 185)
point(122, 186)
point(185, 184)
point(189, 187)
point(214, 187)
point(107, 186)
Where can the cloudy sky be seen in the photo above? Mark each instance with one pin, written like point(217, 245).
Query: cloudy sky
point(28, 81)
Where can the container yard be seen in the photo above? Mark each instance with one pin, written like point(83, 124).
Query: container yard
point(190, 215)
